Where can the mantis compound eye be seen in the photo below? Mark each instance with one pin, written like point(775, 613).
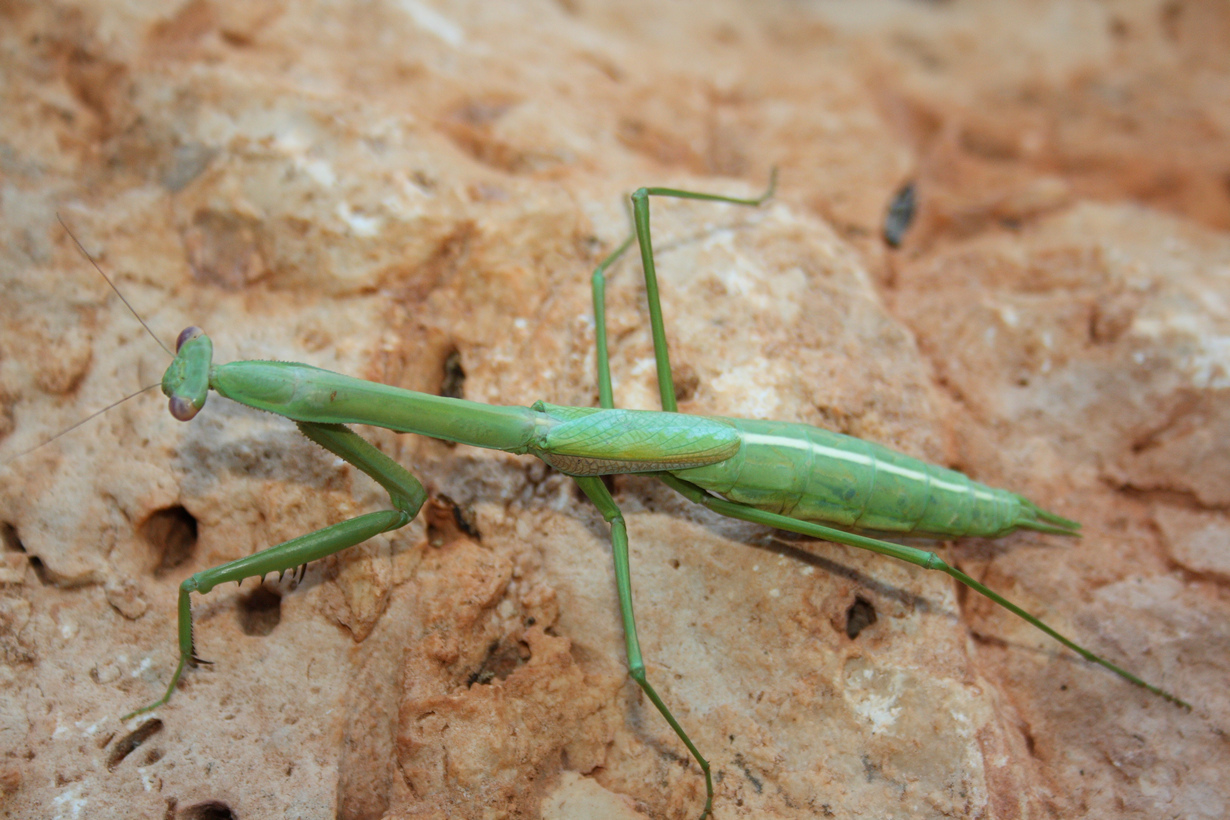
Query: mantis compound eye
point(186, 335)
point(182, 408)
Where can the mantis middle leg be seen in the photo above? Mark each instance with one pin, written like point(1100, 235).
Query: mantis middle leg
point(593, 486)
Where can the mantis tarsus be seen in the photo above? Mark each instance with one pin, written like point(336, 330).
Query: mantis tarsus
point(757, 471)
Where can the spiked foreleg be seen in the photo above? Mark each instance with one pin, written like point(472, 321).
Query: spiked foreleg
point(405, 491)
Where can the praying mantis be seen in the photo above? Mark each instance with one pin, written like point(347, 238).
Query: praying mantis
point(695, 455)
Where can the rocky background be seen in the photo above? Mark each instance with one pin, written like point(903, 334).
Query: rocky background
point(415, 192)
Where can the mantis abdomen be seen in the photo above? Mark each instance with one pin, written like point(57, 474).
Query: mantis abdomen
point(818, 475)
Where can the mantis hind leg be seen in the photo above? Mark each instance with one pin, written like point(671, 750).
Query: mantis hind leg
point(405, 491)
point(640, 218)
point(921, 558)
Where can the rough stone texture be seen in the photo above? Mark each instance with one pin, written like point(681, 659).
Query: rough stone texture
point(375, 187)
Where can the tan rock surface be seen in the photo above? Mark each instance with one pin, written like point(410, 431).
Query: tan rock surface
point(375, 187)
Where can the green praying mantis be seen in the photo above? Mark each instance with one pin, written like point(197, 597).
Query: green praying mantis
point(783, 475)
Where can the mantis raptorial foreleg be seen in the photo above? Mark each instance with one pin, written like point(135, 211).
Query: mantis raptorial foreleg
point(404, 490)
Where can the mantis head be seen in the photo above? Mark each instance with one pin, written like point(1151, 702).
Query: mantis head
point(186, 382)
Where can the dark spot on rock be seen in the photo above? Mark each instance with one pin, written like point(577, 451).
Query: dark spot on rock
point(132, 741)
point(209, 810)
point(260, 612)
point(453, 383)
point(859, 616)
point(172, 532)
